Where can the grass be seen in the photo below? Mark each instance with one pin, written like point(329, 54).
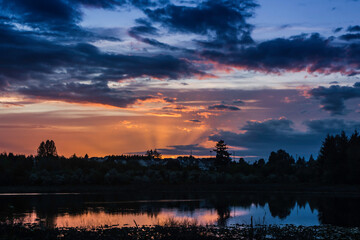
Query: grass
point(185, 223)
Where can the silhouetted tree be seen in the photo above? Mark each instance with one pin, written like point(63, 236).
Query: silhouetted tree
point(281, 205)
point(339, 159)
point(153, 154)
point(332, 158)
point(260, 162)
point(280, 162)
point(41, 152)
point(353, 153)
point(222, 155)
point(338, 162)
point(47, 149)
point(311, 159)
point(300, 163)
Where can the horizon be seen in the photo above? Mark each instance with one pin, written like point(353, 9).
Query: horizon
point(232, 154)
point(121, 77)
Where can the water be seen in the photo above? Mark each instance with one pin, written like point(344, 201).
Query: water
point(224, 209)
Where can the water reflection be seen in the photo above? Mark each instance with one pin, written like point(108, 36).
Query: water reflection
point(91, 210)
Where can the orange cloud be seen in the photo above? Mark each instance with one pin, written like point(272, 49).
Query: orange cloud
point(173, 115)
point(207, 114)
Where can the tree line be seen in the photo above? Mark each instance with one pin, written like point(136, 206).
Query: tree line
point(338, 162)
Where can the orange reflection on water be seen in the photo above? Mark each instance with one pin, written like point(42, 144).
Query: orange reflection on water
point(101, 218)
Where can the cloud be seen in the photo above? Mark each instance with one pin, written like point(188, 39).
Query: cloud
point(31, 58)
point(50, 30)
point(227, 24)
point(55, 19)
point(332, 126)
point(239, 102)
point(151, 41)
point(349, 37)
point(355, 28)
point(60, 19)
point(195, 149)
point(336, 30)
point(58, 12)
point(43, 11)
point(333, 98)
point(194, 121)
point(46, 46)
point(145, 27)
point(301, 53)
point(83, 93)
point(260, 138)
point(137, 30)
point(222, 107)
point(34, 65)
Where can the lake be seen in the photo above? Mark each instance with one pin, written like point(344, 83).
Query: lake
point(222, 208)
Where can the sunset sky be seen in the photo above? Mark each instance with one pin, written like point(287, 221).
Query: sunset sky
point(107, 77)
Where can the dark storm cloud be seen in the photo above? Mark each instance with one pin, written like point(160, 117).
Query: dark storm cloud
point(43, 11)
point(83, 93)
point(143, 30)
point(353, 35)
point(59, 12)
point(28, 57)
point(60, 18)
point(355, 28)
point(144, 27)
point(106, 4)
point(332, 126)
point(223, 20)
point(336, 30)
point(301, 53)
point(223, 107)
point(57, 19)
point(349, 37)
point(260, 138)
point(45, 45)
point(333, 98)
point(36, 66)
point(152, 41)
point(58, 22)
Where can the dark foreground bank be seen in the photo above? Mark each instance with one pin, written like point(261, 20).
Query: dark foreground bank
point(181, 232)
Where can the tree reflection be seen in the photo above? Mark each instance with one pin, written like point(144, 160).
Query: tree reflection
point(281, 206)
point(335, 210)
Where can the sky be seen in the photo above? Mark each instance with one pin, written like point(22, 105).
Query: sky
point(104, 77)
